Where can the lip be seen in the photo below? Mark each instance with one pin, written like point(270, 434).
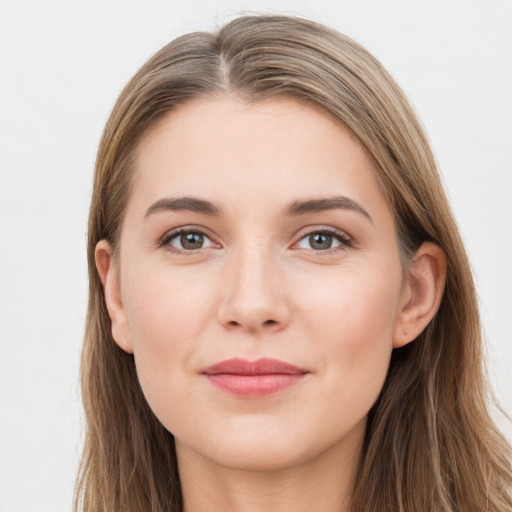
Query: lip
point(253, 378)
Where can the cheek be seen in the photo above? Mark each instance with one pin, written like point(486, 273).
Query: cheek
point(165, 307)
point(352, 318)
point(359, 307)
point(168, 315)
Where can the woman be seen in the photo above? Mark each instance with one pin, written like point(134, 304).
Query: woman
point(282, 313)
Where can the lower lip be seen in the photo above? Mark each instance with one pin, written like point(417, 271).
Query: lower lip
point(255, 385)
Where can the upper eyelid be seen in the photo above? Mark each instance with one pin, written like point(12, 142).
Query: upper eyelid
point(345, 240)
point(186, 229)
point(207, 232)
point(324, 229)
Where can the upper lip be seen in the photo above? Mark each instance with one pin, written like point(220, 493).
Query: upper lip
point(263, 366)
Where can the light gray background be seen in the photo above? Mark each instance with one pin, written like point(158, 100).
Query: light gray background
point(62, 65)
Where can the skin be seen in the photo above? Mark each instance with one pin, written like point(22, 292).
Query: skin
point(260, 287)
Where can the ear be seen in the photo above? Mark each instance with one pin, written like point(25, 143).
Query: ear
point(421, 294)
point(109, 275)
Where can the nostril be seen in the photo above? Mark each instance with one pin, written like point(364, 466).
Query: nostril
point(269, 322)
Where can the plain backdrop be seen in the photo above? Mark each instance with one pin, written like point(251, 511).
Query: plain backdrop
point(62, 65)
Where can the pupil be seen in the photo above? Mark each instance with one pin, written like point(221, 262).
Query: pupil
point(191, 240)
point(320, 241)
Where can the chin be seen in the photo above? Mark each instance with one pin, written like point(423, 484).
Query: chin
point(255, 455)
point(269, 447)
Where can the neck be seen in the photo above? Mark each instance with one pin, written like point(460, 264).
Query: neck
point(324, 483)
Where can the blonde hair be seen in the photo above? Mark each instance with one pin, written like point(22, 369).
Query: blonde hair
point(430, 442)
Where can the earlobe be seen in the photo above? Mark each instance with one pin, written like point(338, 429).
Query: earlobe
point(422, 293)
point(109, 276)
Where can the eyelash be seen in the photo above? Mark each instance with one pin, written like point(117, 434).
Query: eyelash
point(345, 240)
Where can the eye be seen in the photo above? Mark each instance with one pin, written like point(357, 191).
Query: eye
point(324, 240)
point(186, 240)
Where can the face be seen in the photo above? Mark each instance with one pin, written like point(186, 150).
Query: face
point(259, 282)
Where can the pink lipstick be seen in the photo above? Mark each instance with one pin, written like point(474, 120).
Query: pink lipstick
point(253, 379)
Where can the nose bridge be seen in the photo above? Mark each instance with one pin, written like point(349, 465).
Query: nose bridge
point(253, 268)
point(254, 298)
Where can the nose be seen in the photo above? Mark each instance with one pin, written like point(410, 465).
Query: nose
point(254, 299)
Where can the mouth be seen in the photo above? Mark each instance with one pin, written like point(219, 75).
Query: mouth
point(253, 378)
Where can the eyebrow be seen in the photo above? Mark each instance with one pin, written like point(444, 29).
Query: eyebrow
point(296, 208)
point(190, 204)
point(302, 207)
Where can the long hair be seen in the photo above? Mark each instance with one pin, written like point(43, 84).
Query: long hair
point(430, 442)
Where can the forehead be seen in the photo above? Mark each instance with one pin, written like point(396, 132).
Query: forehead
point(232, 150)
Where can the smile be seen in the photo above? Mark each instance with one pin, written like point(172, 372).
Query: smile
point(253, 379)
